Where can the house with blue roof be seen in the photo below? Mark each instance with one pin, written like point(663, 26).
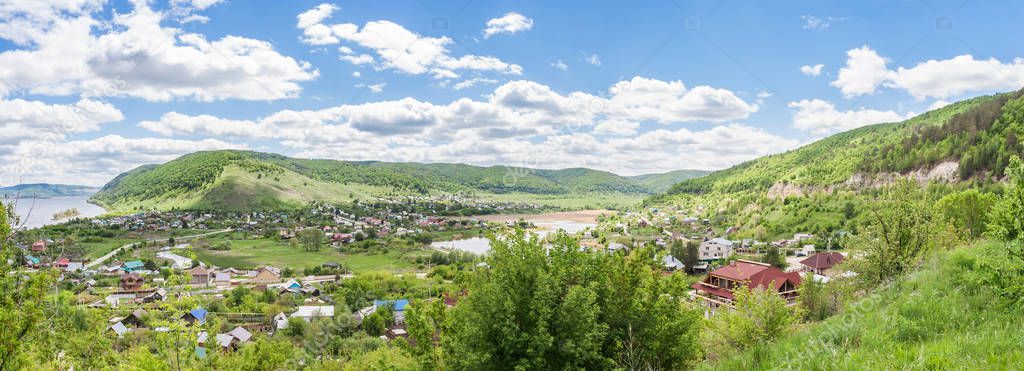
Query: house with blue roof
point(397, 307)
point(31, 260)
point(131, 266)
point(195, 316)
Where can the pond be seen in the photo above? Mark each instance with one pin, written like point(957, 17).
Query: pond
point(37, 212)
point(480, 245)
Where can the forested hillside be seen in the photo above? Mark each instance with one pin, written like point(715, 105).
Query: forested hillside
point(819, 187)
point(238, 180)
point(43, 190)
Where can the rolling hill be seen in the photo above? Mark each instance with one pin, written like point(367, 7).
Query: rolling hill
point(818, 187)
point(245, 180)
point(45, 190)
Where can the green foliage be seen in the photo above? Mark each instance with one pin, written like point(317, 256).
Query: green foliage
point(902, 226)
point(563, 308)
point(775, 257)
point(1007, 216)
point(760, 316)
point(22, 300)
point(967, 211)
point(312, 239)
point(817, 300)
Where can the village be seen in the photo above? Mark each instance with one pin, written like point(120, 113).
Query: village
point(136, 283)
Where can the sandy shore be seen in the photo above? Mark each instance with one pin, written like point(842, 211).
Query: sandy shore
point(581, 216)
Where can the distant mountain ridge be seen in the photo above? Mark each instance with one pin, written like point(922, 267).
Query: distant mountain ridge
point(244, 180)
point(46, 190)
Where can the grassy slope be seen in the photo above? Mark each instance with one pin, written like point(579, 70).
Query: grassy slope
point(937, 318)
point(243, 180)
point(255, 253)
point(664, 181)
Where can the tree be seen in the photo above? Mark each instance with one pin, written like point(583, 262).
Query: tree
point(967, 210)
point(902, 225)
point(22, 298)
point(760, 316)
point(311, 239)
point(1006, 221)
point(815, 300)
point(692, 256)
point(773, 255)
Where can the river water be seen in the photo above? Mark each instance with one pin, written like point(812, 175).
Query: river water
point(37, 212)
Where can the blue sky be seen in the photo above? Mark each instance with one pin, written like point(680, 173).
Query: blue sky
point(92, 88)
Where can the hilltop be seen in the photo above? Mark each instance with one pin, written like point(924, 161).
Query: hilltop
point(819, 187)
point(46, 190)
point(247, 180)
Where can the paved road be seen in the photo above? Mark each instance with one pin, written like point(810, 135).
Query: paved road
point(104, 258)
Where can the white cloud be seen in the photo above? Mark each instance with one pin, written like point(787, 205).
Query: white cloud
point(374, 88)
point(65, 51)
point(866, 71)
point(508, 24)
point(520, 122)
point(814, 23)
point(395, 47)
point(473, 82)
point(593, 59)
point(94, 161)
point(821, 117)
point(560, 65)
point(23, 119)
point(814, 70)
point(356, 74)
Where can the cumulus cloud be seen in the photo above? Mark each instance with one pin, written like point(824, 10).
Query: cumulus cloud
point(24, 119)
point(866, 71)
point(814, 70)
point(394, 47)
point(821, 117)
point(507, 24)
point(63, 50)
point(520, 122)
point(94, 161)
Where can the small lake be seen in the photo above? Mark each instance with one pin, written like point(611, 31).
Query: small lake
point(480, 245)
point(37, 212)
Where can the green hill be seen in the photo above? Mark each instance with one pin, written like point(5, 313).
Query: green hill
point(662, 182)
point(818, 187)
point(244, 180)
point(45, 190)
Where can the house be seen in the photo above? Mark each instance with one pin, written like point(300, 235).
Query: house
point(397, 307)
point(267, 274)
point(39, 246)
point(200, 276)
point(233, 338)
point(131, 266)
point(821, 262)
point(309, 312)
point(31, 261)
point(158, 295)
point(74, 267)
point(62, 263)
point(195, 316)
point(281, 321)
point(361, 314)
point(715, 248)
point(119, 329)
point(131, 282)
point(671, 263)
point(137, 318)
point(717, 288)
point(222, 279)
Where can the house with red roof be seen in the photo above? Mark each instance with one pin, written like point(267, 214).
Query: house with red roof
point(821, 262)
point(39, 246)
point(717, 288)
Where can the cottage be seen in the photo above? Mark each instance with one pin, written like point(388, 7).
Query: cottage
point(137, 318)
point(31, 261)
point(716, 289)
point(821, 262)
point(62, 263)
point(671, 263)
point(281, 321)
point(267, 274)
point(195, 316)
point(309, 312)
point(39, 246)
point(131, 266)
point(397, 307)
point(200, 276)
point(131, 282)
point(158, 295)
point(715, 248)
point(118, 329)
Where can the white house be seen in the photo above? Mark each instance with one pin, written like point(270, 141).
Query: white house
point(716, 248)
point(308, 312)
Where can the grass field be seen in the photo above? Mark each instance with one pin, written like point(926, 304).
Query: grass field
point(94, 250)
point(255, 253)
